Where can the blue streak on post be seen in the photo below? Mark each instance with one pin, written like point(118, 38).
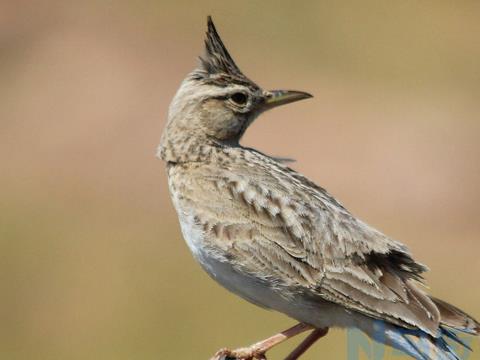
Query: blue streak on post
point(358, 342)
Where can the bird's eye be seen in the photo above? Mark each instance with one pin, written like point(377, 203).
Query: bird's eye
point(239, 98)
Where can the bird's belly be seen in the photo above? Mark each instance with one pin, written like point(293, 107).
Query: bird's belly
point(261, 292)
point(318, 312)
point(215, 263)
point(252, 289)
point(256, 290)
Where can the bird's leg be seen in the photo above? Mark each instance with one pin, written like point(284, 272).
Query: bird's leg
point(306, 343)
point(258, 350)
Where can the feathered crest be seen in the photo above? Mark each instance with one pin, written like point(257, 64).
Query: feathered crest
point(217, 64)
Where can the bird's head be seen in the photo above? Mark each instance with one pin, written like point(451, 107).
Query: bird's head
point(216, 102)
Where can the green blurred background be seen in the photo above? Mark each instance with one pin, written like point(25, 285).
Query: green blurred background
point(92, 263)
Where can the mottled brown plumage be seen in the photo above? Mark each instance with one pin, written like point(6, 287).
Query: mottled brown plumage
point(275, 238)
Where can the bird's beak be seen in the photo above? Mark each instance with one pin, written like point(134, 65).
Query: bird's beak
point(274, 98)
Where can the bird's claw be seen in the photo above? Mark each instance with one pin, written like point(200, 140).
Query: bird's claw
point(241, 354)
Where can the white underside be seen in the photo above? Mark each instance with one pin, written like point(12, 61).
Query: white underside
point(318, 313)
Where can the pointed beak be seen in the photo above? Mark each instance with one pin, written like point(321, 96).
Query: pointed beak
point(274, 98)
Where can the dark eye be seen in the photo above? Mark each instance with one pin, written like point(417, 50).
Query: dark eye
point(239, 98)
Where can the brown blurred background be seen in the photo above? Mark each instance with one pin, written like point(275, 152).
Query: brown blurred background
point(92, 264)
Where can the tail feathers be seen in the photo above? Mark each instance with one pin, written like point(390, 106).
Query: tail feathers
point(420, 345)
point(423, 346)
point(451, 335)
point(455, 318)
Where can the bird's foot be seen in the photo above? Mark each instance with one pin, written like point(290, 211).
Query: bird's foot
point(248, 353)
point(257, 351)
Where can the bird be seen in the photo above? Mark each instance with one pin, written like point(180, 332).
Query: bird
point(273, 237)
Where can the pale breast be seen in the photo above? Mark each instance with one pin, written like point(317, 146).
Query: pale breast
point(192, 233)
point(214, 262)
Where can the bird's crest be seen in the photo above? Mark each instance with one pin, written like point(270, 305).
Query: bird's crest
point(217, 65)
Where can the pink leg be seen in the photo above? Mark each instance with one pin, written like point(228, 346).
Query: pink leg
point(258, 350)
point(306, 343)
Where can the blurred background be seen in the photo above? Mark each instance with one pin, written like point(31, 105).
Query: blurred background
point(92, 263)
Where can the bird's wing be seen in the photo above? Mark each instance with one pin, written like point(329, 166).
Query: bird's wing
point(308, 240)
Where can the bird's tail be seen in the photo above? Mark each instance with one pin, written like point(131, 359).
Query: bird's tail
point(454, 318)
point(417, 343)
point(423, 346)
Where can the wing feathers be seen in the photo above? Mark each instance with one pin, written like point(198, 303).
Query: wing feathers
point(308, 240)
point(455, 318)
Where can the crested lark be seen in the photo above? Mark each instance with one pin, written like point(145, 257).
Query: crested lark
point(273, 237)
